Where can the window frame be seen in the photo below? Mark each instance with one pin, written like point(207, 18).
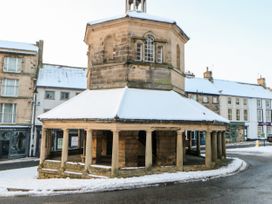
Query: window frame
point(149, 49)
point(12, 114)
point(205, 97)
point(159, 55)
point(48, 98)
point(18, 65)
point(238, 114)
point(64, 98)
point(139, 52)
point(14, 87)
point(230, 115)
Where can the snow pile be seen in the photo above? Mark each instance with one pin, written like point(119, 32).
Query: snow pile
point(264, 151)
point(24, 182)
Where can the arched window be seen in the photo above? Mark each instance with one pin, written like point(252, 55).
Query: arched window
point(139, 51)
point(178, 57)
point(159, 57)
point(149, 48)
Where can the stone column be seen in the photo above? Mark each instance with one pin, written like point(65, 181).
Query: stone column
point(180, 152)
point(214, 146)
point(219, 145)
point(65, 143)
point(224, 154)
point(208, 158)
point(43, 146)
point(89, 142)
point(148, 150)
point(115, 152)
point(134, 5)
point(184, 146)
point(198, 143)
point(189, 135)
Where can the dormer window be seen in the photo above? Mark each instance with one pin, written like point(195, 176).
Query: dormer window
point(149, 49)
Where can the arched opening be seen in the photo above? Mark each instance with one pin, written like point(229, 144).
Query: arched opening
point(149, 48)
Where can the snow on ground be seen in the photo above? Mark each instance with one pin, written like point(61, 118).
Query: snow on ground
point(264, 151)
point(25, 179)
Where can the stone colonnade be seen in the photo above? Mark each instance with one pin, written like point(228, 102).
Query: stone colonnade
point(215, 148)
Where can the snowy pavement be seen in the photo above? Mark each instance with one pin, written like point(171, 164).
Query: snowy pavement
point(21, 182)
point(264, 151)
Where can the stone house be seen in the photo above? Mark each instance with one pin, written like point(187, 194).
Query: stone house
point(19, 63)
point(134, 118)
point(55, 85)
point(247, 106)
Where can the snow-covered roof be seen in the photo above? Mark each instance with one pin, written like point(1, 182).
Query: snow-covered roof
point(19, 46)
point(132, 104)
point(134, 14)
point(224, 87)
point(58, 76)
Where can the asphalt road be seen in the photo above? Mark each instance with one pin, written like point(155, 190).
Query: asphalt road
point(254, 185)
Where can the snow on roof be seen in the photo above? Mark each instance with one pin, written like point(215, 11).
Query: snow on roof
point(224, 87)
point(132, 104)
point(134, 14)
point(18, 46)
point(59, 76)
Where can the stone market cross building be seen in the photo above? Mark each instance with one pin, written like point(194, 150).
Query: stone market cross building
point(134, 118)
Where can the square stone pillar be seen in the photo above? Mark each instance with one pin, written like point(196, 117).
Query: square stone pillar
point(89, 142)
point(219, 145)
point(65, 143)
point(224, 153)
point(198, 151)
point(208, 158)
point(115, 153)
point(43, 146)
point(214, 146)
point(148, 150)
point(180, 151)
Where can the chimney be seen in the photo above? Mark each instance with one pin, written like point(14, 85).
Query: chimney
point(40, 53)
point(208, 75)
point(261, 82)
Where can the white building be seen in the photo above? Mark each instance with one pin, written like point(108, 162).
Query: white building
point(56, 84)
point(247, 106)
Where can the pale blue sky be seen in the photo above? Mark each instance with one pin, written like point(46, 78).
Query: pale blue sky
point(232, 37)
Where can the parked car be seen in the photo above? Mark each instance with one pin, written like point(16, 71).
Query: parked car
point(269, 138)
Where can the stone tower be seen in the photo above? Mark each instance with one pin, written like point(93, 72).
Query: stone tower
point(136, 50)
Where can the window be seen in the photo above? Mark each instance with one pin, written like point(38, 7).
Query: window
point(230, 114)
point(64, 95)
point(9, 87)
point(159, 54)
point(205, 99)
point(245, 101)
point(267, 104)
point(12, 64)
point(139, 52)
point(238, 115)
point(260, 115)
point(245, 115)
point(7, 113)
point(215, 99)
point(229, 100)
point(269, 130)
point(268, 116)
point(178, 56)
point(49, 95)
point(237, 101)
point(260, 131)
point(194, 97)
point(259, 103)
point(149, 49)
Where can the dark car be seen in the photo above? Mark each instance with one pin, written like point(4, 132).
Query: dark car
point(269, 138)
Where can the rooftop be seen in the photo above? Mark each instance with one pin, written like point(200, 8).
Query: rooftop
point(132, 104)
point(224, 87)
point(18, 46)
point(59, 76)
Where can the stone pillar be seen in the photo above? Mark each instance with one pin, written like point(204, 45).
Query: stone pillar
point(184, 146)
point(219, 146)
point(224, 153)
point(148, 150)
point(198, 143)
point(134, 5)
point(48, 142)
point(79, 138)
point(208, 158)
point(43, 146)
point(189, 135)
point(115, 152)
point(65, 143)
point(180, 152)
point(89, 142)
point(214, 146)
